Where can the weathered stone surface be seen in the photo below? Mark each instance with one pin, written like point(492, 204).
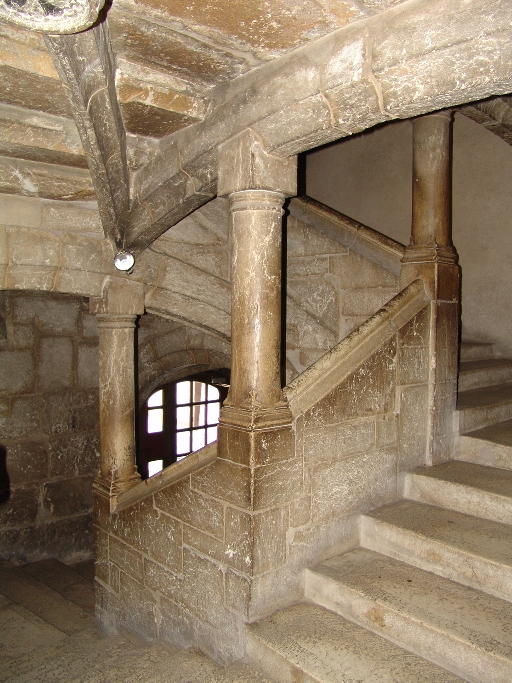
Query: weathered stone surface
point(412, 421)
point(16, 371)
point(226, 481)
point(74, 455)
point(49, 181)
point(153, 532)
point(70, 411)
point(68, 497)
point(328, 443)
point(354, 483)
point(27, 461)
point(21, 508)
point(127, 559)
point(56, 363)
point(20, 419)
point(51, 315)
point(367, 391)
point(202, 512)
point(87, 366)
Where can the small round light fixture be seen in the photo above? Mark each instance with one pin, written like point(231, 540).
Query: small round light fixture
point(123, 260)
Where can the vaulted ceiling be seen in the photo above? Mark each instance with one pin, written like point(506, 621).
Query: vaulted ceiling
point(131, 112)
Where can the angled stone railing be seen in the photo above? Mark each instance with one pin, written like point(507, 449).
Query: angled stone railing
point(169, 475)
point(346, 231)
point(338, 363)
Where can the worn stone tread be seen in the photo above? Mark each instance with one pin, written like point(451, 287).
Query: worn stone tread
point(64, 580)
point(474, 551)
point(485, 372)
point(476, 351)
point(478, 408)
point(462, 629)
point(499, 433)
point(42, 600)
point(491, 446)
point(310, 644)
point(496, 394)
point(464, 487)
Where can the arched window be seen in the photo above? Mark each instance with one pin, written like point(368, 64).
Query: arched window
point(177, 419)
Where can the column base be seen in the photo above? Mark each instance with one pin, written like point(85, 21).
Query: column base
point(255, 439)
point(110, 489)
point(265, 418)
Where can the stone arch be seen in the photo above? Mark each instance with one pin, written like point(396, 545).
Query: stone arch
point(178, 365)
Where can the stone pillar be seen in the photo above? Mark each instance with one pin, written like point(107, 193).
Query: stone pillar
point(256, 451)
point(116, 315)
point(257, 184)
point(432, 257)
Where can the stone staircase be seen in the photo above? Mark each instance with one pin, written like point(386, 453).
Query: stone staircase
point(426, 597)
point(431, 584)
point(48, 633)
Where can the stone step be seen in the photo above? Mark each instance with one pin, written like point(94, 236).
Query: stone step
point(473, 551)
point(25, 590)
point(491, 445)
point(64, 580)
point(464, 487)
point(310, 644)
point(484, 373)
point(476, 351)
point(85, 569)
point(485, 406)
point(459, 628)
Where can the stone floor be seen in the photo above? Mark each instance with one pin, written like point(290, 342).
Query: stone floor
point(48, 633)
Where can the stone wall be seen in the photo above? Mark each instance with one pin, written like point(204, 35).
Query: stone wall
point(368, 177)
point(48, 426)
point(227, 544)
point(331, 290)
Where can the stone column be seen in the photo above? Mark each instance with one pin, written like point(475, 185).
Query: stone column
point(432, 257)
point(116, 315)
point(256, 460)
point(431, 199)
point(257, 184)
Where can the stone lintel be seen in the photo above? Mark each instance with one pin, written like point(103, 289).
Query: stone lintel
point(244, 164)
point(120, 297)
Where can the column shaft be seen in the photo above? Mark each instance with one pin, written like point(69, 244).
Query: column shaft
point(256, 298)
point(117, 402)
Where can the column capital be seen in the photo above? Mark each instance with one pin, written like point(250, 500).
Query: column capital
point(120, 297)
point(244, 164)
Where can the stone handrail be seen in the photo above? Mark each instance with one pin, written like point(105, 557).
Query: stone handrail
point(346, 231)
point(342, 360)
point(167, 476)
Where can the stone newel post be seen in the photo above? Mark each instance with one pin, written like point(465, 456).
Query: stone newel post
point(432, 257)
point(257, 184)
point(116, 315)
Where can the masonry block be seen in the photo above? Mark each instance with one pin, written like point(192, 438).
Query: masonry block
point(16, 371)
point(67, 497)
point(27, 461)
point(56, 363)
